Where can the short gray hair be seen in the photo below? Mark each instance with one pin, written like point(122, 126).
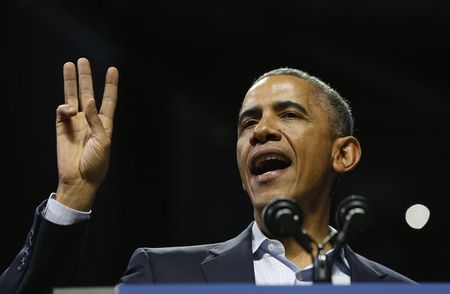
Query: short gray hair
point(341, 118)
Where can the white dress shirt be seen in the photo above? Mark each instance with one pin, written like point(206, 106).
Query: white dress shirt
point(273, 268)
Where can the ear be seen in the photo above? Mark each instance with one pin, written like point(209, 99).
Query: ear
point(346, 154)
point(243, 187)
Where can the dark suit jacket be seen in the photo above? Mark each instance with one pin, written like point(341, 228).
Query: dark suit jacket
point(228, 262)
point(51, 252)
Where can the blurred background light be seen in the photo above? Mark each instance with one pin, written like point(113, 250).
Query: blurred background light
point(417, 216)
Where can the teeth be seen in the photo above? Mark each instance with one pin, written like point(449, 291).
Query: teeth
point(270, 158)
point(270, 162)
point(264, 158)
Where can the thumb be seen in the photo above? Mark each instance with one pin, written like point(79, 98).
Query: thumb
point(64, 112)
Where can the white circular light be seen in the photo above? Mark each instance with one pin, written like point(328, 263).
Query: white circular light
point(417, 216)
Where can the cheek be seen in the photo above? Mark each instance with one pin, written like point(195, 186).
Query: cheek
point(312, 152)
point(240, 155)
point(318, 157)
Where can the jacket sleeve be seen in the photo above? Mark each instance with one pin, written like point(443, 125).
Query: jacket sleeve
point(48, 258)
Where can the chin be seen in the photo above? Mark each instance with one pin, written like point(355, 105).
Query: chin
point(262, 199)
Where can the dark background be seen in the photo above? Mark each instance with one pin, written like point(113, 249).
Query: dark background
point(185, 68)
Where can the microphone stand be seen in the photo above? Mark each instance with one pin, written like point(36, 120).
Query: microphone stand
point(321, 264)
point(341, 237)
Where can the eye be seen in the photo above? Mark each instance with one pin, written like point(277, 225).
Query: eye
point(248, 123)
point(290, 114)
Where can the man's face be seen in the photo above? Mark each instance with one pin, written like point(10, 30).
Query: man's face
point(284, 145)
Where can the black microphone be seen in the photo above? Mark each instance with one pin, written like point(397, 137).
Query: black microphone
point(284, 218)
point(352, 215)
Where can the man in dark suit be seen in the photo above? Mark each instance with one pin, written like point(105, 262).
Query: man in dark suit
point(295, 137)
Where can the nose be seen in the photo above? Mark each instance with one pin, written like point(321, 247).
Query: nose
point(266, 130)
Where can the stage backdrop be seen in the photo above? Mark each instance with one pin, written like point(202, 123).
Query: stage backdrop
point(184, 70)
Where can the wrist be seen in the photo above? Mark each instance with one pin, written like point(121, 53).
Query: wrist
point(78, 196)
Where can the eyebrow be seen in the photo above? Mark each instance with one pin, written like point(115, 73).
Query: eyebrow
point(278, 106)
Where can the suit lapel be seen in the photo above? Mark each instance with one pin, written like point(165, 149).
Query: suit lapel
point(231, 261)
point(360, 269)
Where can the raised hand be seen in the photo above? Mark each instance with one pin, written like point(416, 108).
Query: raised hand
point(83, 135)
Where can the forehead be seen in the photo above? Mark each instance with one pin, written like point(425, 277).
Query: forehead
point(279, 88)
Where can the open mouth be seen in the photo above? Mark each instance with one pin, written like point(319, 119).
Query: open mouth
point(267, 162)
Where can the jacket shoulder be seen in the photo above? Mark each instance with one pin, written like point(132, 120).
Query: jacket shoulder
point(167, 264)
point(185, 264)
point(178, 250)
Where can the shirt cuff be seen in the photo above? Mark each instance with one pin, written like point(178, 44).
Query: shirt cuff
point(60, 214)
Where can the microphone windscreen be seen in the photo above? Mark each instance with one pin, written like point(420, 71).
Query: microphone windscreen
point(355, 206)
point(282, 217)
